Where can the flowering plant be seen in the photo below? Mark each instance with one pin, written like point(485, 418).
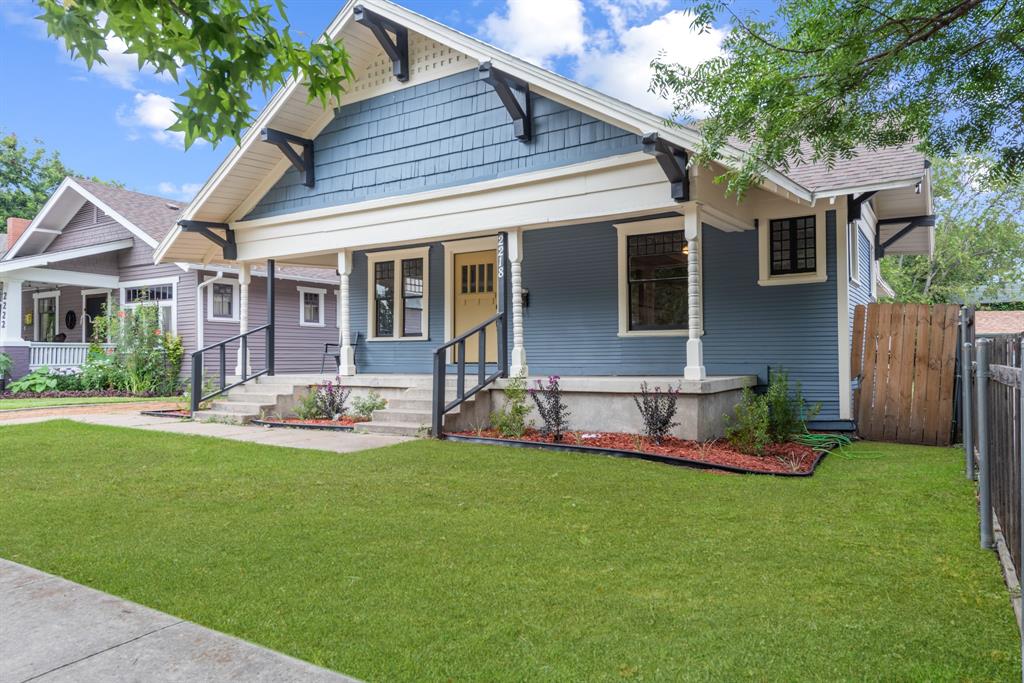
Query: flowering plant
point(551, 407)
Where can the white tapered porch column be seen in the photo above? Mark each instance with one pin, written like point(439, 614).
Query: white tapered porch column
point(10, 314)
point(694, 346)
point(346, 354)
point(244, 278)
point(517, 364)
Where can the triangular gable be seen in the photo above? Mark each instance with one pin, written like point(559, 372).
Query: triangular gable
point(253, 168)
point(69, 205)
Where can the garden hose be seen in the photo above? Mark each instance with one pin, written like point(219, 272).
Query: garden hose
point(835, 443)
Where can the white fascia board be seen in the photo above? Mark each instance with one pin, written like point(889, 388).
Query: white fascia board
point(39, 218)
point(58, 256)
point(67, 277)
point(105, 208)
point(871, 187)
point(234, 270)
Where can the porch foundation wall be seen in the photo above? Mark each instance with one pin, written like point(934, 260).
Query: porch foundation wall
point(20, 356)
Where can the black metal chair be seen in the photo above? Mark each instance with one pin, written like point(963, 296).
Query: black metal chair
point(335, 355)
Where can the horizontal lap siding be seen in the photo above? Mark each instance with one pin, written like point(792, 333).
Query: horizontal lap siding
point(297, 349)
point(396, 356)
point(571, 323)
point(749, 328)
point(442, 133)
point(87, 227)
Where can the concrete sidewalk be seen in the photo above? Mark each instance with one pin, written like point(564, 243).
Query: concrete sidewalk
point(53, 630)
point(339, 442)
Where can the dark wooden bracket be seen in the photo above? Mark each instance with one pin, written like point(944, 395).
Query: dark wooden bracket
point(673, 161)
point(205, 228)
point(912, 222)
point(514, 95)
point(284, 141)
point(397, 50)
point(853, 204)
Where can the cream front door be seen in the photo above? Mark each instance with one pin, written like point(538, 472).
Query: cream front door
point(476, 300)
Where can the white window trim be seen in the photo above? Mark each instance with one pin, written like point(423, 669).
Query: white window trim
point(36, 296)
point(322, 293)
point(397, 255)
point(820, 274)
point(86, 293)
point(235, 299)
point(172, 304)
point(624, 230)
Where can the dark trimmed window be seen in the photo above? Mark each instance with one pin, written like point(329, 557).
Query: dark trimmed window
point(793, 246)
point(412, 297)
point(657, 275)
point(384, 293)
point(223, 300)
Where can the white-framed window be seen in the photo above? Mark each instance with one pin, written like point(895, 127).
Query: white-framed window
point(398, 283)
point(160, 291)
point(46, 315)
point(653, 278)
point(791, 249)
point(222, 300)
point(311, 306)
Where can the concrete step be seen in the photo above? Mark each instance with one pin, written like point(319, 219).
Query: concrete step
point(215, 415)
point(242, 407)
point(252, 397)
point(397, 428)
point(389, 415)
point(403, 403)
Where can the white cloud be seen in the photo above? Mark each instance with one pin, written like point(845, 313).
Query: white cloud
point(538, 30)
point(151, 114)
point(121, 68)
point(624, 71)
point(621, 13)
point(184, 192)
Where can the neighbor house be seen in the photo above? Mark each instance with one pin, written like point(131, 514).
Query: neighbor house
point(91, 246)
point(452, 174)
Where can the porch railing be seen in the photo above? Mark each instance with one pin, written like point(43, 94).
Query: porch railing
point(221, 348)
point(439, 405)
point(58, 355)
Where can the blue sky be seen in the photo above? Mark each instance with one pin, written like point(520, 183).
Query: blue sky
point(110, 122)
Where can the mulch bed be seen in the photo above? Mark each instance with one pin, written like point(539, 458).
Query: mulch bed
point(102, 393)
point(345, 424)
point(786, 459)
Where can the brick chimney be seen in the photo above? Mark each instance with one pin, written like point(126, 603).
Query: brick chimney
point(15, 227)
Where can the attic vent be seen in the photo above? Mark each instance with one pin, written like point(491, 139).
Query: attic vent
point(172, 206)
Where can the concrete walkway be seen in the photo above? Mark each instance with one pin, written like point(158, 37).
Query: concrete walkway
point(339, 442)
point(53, 630)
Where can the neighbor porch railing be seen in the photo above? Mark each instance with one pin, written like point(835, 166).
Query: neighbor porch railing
point(58, 355)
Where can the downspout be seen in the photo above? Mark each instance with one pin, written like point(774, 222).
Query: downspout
point(200, 317)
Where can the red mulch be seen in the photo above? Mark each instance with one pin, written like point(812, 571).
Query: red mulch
point(779, 457)
point(346, 421)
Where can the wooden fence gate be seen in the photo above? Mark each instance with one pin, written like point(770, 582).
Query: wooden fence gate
point(905, 358)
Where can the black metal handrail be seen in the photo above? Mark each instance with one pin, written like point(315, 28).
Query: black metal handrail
point(438, 405)
point(198, 367)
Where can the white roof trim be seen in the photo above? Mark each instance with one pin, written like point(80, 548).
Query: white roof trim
point(278, 275)
point(66, 185)
point(872, 187)
point(45, 258)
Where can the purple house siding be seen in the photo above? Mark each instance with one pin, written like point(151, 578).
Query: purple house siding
point(88, 227)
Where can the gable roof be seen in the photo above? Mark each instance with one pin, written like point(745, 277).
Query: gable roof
point(251, 168)
point(146, 217)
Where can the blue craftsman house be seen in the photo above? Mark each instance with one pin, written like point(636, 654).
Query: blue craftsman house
point(480, 208)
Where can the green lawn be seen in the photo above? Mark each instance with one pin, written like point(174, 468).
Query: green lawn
point(435, 561)
point(12, 403)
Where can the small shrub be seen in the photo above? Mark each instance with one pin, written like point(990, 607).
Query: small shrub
point(657, 409)
point(5, 365)
point(551, 407)
point(366, 406)
point(747, 429)
point(510, 420)
point(307, 408)
point(786, 413)
point(331, 398)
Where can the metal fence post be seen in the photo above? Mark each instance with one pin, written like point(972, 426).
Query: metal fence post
point(984, 485)
point(1020, 432)
point(966, 408)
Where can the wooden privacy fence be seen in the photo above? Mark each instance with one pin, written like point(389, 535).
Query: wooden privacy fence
point(905, 356)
